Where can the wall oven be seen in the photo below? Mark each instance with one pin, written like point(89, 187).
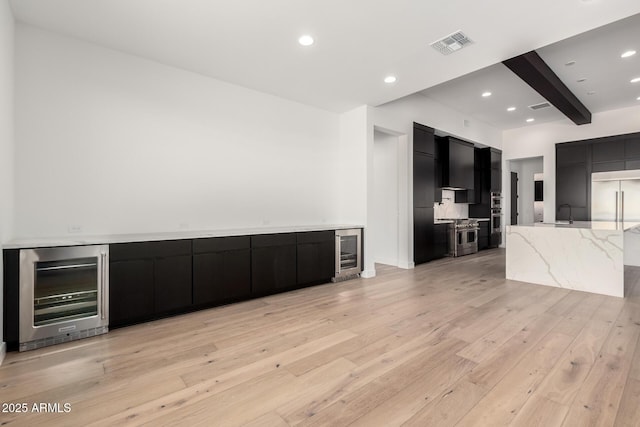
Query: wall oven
point(348, 254)
point(496, 220)
point(63, 294)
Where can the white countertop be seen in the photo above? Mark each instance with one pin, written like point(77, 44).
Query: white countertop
point(177, 235)
point(590, 225)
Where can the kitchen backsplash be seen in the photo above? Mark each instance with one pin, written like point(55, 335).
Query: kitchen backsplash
point(448, 208)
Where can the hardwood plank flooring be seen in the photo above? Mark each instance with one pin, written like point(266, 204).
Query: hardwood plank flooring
point(449, 343)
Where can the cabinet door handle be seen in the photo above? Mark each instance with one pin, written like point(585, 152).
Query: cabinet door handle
point(103, 279)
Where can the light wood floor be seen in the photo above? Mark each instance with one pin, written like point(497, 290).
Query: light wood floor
point(448, 343)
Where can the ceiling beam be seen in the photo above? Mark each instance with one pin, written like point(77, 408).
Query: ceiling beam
point(537, 74)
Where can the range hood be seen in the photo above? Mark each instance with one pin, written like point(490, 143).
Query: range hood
point(455, 164)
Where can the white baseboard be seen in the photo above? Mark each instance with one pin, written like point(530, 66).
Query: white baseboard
point(367, 274)
point(3, 351)
point(407, 265)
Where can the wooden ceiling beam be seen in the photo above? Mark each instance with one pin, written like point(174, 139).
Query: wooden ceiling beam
point(531, 68)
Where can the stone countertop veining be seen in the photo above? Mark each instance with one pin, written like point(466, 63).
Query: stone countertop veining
point(176, 235)
point(590, 225)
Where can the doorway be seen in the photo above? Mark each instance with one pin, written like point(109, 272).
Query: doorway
point(521, 187)
point(384, 217)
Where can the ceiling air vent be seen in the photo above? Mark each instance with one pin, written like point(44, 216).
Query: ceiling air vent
point(452, 43)
point(540, 106)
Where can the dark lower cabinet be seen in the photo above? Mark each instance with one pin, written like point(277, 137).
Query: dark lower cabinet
point(484, 235)
point(131, 291)
point(422, 235)
point(315, 257)
point(148, 279)
point(273, 263)
point(221, 269)
point(172, 283)
point(440, 240)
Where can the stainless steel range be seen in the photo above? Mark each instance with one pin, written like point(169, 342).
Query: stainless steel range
point(463, 237)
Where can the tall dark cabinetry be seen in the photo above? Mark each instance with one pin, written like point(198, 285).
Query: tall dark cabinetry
point(577, 160)
point(573, 181)
point(488, 173)
point(423, 193)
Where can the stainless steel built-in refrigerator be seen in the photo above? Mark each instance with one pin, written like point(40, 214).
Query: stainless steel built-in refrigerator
point(615, 196)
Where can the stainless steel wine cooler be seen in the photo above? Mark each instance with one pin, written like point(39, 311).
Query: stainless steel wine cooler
point(64, 294)
point(348, 254)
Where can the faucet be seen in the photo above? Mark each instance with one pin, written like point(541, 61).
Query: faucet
point(569, 206)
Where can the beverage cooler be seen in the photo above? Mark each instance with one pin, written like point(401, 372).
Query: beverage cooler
point(63, 294)
point(348, 254)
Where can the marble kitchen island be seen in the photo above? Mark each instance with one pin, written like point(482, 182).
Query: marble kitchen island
point(584, 256)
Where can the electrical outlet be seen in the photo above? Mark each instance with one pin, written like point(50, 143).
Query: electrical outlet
point(74, 229)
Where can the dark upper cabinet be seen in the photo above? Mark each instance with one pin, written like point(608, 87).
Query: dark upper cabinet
point(461, 164)
point(273, 263)
point(608, 151)
point(423, 180)
point(422, 235)
point(632, 147)
point(221, 269)
point(496, 180)
point(495, 158)
point(423, 139)
point(315, 257)
point(567, 153)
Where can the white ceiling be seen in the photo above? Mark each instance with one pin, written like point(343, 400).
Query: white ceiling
point(253, 43)
point(597, 58)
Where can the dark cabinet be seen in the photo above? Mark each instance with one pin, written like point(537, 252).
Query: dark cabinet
point(422, 235)
point(423, 180)
point(221, 269)
point(573, 181)
point(131, 291)
point(424, 191)
point(423, 137)
point(273, 262)
point(440, 240)
point(147, 279)
point(484, 234)
point(315, 257)
point(495, 158)
point(607, 151)
point(457, 161)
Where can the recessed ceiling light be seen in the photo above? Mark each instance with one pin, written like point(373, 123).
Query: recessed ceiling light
point(628, 54)
point(636, 80)
point(486, 94)
point(570, 63)
point(530, 120)
point(511, 109)
point(390, 79)
point(581, 80)
point(306, 40)
point(591, 92)
point(638, 98)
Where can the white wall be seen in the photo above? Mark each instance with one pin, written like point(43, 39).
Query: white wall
point(383, 223)
point(6, 139)
point(112, 143)
point(418, 108)
point(540, 140)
